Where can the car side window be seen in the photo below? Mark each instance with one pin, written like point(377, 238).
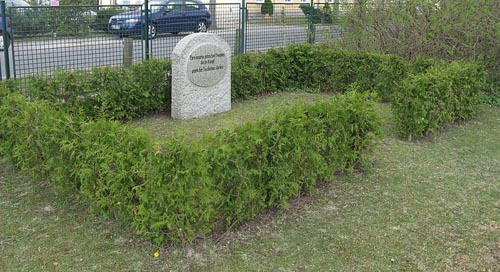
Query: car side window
point(174, 5)
point(192, 5)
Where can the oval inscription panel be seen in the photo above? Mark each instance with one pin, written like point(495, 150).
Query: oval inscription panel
point(206, 65)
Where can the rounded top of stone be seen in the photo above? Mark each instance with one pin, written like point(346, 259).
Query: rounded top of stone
point(195, 39)
point(204, 58)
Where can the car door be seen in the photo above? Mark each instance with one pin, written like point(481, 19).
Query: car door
point(194, 14)
point(172, 18)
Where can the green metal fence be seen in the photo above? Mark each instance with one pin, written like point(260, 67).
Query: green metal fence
point(278, 26)
point(44, 39)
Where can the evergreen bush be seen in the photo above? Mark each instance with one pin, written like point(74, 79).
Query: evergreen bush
point(267, 8)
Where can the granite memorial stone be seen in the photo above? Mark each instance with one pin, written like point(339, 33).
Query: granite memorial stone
point(201, 76)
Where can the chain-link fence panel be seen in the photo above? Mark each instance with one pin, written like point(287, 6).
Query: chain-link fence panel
point(168, 24)
point(328, 19)
point(275, 25)
point(72, 37)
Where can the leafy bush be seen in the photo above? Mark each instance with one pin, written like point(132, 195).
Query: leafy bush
point(321, 15)
point(267, 7)
point(179, 190)
point(33, 135)
point(443, 94)
point(31, 21)
point(114, 93)
point(315, 68)
point(449, 30)
point(109, 163)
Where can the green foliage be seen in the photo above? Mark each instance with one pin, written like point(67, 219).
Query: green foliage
point(109, 161)
point(61, 20)
point(321, 15)
point(103, 16)
point(441, 95)
point(491, 98)
point(267, 7)
point(32, 138)
point(179, 190)
point(179, 200)
point(450, 30)
point(315, 68)
point(113, 93)
point(31, 21)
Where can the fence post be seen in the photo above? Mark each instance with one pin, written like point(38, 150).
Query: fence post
point(128, 51)
point(146, 21)
point(242, 32)
point(212, 8)
point(311, 34)
point(5, 41)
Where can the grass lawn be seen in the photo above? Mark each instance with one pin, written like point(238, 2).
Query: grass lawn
point(428, 205)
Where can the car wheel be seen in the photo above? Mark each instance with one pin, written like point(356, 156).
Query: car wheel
point(2, 46)
point(201, 27)
point(152, 31)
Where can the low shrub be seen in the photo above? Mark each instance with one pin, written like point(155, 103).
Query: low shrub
point(119, 93)
point(33, 135)
point(179, 190)
point(321, 15)
point(315, 68)
point(182, 189)
point(232, 176)
point(114, 93)
point(441, 95)
point(267, 7)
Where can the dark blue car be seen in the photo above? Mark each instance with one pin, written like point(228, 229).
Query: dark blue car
point(165, 16)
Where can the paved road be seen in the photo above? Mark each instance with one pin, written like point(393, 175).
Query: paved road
point(46, 55)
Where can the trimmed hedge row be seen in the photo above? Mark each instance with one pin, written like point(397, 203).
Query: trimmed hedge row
point(180, 189)
point(114, 93)
point(118, 93)
point(315, 68)
point(441, 94)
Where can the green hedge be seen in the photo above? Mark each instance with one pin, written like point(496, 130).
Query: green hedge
point(315, 68)
point(124, 93)
point(109, 92)
point(267, 7)
point(440, 95)
point(182, 189)
point(179, 190)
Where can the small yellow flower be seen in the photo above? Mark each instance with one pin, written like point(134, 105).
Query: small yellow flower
point(156, 254)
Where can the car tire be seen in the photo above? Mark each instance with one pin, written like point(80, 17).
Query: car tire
point(201, 27)
point(152, 30)
point(2, 47)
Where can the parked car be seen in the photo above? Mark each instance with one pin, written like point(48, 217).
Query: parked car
point(165, 16)
point(9, 3)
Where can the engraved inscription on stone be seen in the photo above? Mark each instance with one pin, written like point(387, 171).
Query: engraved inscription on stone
point(201, 76)
point(206, 65)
